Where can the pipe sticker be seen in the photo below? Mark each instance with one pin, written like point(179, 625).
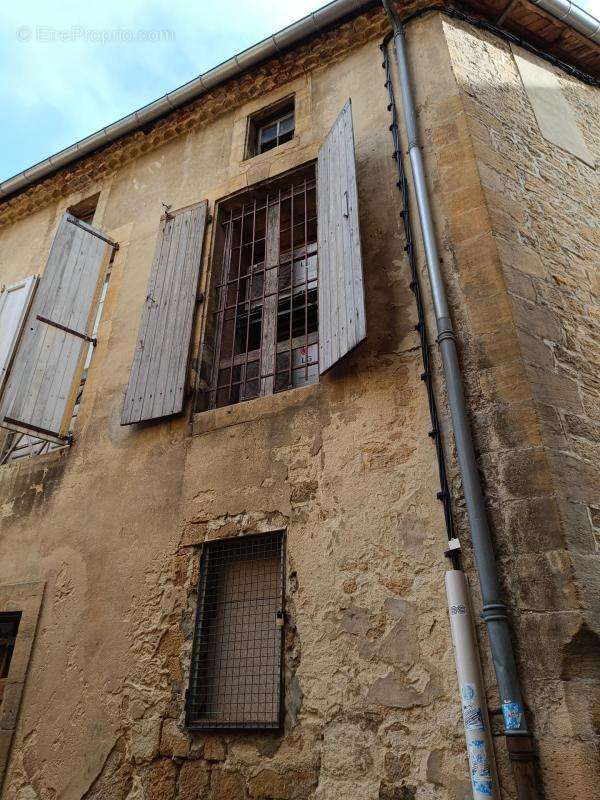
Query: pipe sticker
point(472, 714)
point(481, 776)
point(512, 713)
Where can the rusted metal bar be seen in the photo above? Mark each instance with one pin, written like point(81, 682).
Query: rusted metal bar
point(91, 339)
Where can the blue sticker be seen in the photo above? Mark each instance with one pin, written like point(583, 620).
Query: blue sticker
point(512, 713)
point(483, 787)
point(481, 776)
point(468, 691)
point(478, 757)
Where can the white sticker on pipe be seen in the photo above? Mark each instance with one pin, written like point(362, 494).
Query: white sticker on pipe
point(472, 714)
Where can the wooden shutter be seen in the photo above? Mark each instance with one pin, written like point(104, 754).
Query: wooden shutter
point(157, 380)
point(342, 319)
point(42, 385)
point(14, 305)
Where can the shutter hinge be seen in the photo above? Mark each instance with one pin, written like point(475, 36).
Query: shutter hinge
point(88, 228)
point(91, 339)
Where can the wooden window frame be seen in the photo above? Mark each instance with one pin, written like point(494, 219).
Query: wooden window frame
point(274, 114)
point(85, 210)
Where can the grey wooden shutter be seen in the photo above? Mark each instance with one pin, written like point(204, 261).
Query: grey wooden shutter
point(157, 381)
point(342, 318)
point(42, 385)
point(14, 305)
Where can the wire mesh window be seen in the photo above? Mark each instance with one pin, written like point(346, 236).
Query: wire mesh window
point(9, 625)
point(236, 669)
point(265, 314)
point(17, 446)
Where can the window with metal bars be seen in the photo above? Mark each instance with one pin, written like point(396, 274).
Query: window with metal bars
point(236, 676)
point(18, 446)
point(9, 625)
point(264, 319)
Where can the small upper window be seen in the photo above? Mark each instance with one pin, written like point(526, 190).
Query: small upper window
point(86, 209)
point(271, 127)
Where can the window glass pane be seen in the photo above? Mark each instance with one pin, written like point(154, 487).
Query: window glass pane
point(286, 125)
point(265, 146)
point(305, 376)
point(268, 132)
point(252, 370)
point(251, 389)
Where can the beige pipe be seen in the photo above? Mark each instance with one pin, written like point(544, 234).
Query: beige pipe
point(476, 722)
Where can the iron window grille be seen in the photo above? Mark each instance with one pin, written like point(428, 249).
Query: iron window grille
point(17, 446)
point(236, 675)
point(265, 321)
point(9, 626)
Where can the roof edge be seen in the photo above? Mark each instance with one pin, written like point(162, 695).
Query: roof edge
point(564, 10)
point(271, 46)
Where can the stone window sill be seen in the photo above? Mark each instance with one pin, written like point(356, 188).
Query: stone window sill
point(251, 410)
point(42, 458)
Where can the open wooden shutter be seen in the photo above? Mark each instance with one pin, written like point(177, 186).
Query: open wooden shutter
point(42, 384)
point(342, 318)
point(156, 385)
point(14, 305)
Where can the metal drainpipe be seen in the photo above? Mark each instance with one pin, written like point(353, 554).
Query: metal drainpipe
point(518, 738)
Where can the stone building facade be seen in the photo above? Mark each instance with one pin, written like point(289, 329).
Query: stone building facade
point(101, 541)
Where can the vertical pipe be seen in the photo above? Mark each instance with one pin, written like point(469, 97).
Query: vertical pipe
point(470, 683)
point(518, 739)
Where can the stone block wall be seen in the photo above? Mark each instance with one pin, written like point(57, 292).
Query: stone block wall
point(517, 218)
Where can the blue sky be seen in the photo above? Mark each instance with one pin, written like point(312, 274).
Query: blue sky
point(55, 92)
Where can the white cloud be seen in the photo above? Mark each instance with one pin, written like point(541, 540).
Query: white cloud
point(61, 91)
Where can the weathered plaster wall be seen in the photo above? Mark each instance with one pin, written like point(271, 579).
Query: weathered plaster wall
point(115, 525)
point(518, 220)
